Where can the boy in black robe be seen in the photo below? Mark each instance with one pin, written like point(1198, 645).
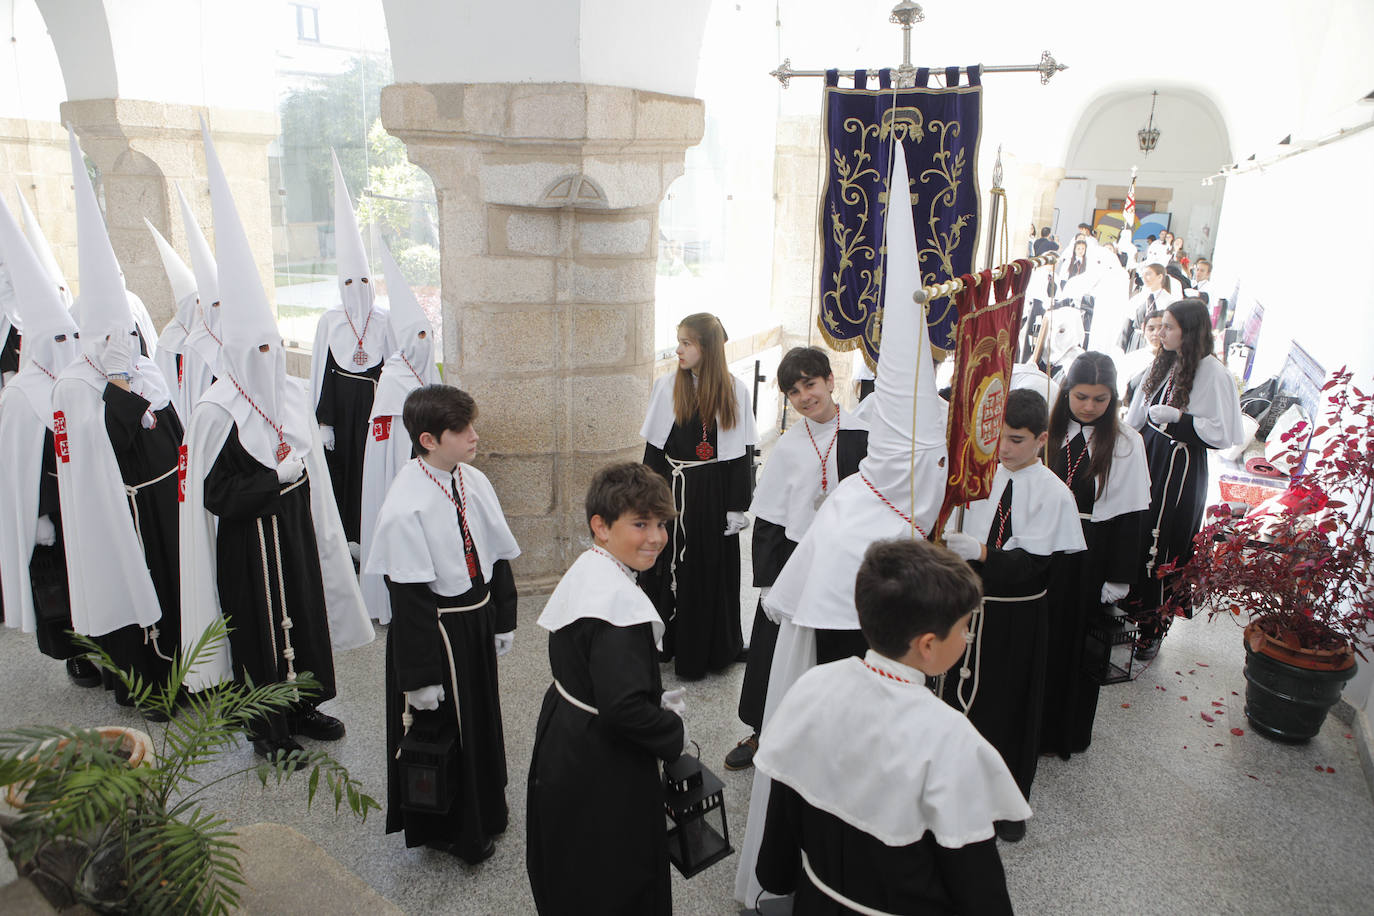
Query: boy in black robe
point(597, 839)
point(445, 549)
point(883, 797)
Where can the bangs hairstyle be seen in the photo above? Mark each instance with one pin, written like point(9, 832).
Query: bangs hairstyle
point(802, 363)
point(1092, 368)
point(1026, 410)
point(1196, 324)
point(628, 488)
point(435, 408)
point(713, 395)
point(907, 587)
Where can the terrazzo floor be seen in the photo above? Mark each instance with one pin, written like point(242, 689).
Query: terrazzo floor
point(1166, 813)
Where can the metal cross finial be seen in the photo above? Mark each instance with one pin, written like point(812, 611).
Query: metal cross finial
point(997, 170)
point(1049, 67)
point(906, 14)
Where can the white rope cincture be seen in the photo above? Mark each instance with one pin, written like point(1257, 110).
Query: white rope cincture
point(288, 652)
point(835, 895)
point(1164, 501)
point(974, 650)
point(131, 492)
point(266, 585)
point(678, 478)
point(408, 718)
point(150, 637)
point(585, 707)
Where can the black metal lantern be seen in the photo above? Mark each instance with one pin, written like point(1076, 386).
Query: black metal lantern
point(1109, 649)
point(690, 792)
point(428, 764)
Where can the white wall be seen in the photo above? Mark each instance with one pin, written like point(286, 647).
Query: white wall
point(631, 43)
point(30, 79)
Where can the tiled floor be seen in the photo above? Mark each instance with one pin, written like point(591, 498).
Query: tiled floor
point(1166, 813)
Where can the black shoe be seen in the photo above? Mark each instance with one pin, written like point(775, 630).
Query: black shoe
point(1010, 831)
point(1148, 649)
point(271, 747)
point(482, 854)
point(317, 725)
point(741, 757)
point(83, 672)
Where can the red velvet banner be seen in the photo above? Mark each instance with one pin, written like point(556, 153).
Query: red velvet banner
point(985, 350)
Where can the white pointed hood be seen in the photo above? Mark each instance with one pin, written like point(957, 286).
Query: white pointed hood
point(355, 275)
point(412, 365)
point(906, 368)
point(256, 381)
point(39, 243)
point(183, 283)
point(44, 315)
point(204, 336)
point(104, 308)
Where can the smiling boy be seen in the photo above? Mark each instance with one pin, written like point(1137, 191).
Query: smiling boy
point(806, 465)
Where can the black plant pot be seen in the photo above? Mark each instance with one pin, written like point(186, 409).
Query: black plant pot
point(1286, 702)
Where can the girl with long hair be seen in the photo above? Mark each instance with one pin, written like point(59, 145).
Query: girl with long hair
point(1103, 463)
point(699, 434)
point(1157, 293)
point(1186, 405)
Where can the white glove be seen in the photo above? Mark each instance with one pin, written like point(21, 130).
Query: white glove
point(148, 420)
point(46, 535)
point(503, 643)
point(675, 701)
point(1163, 413)
point(772, 615)
point(735, 522)
point(7, 377)
point(686, 741)
point(327, 436)
point(117, 354)
point(1113, 592)
point(964, 546)
point(425, 697)
point(290, 469)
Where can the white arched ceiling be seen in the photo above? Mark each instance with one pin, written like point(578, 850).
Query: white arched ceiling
point(190, 52)
point(1193, 137)
point(630, 43)
point(30, 78)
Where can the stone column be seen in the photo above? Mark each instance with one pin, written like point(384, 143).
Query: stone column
point(142, 149)
point(548, 209)
point(34, 154)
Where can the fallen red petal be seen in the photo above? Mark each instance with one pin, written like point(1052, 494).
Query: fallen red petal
point(1184, 698)
point(1157, 687)
point(1192, 671)
point(1348, 735)
point(1206, 718)
point(1238, 732)
point(1255, 778)
point(1202, 664)
point(1218, 703)
point(1218, 744)
point(1125, 705)
point(1234, 694)
point(1318, 768)
point(1330, 769)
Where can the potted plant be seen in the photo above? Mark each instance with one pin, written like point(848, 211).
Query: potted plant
point(1298, 575)
point(97, 827)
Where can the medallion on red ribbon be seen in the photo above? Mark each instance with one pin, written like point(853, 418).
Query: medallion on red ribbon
point(381, 429)
point(59, 437)
point(181, 474)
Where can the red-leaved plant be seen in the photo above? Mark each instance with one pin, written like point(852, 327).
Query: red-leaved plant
point(1302, 574)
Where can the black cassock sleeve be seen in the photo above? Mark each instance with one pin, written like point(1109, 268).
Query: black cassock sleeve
point(324, 410)
point(626, 697)
point(237, 487)
point(1183, 431)
point(770, 549)
point(415, 641)
point(9, 355)
point(123, 413)
point(1012, 573)
point(974, 877)
point(49, 502)
point(739, 490)
point(503, 597)
point(654, 458)
point(1124, 537)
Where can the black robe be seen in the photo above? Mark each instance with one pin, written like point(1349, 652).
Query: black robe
point(415, 658)
point(1178, 498)
point(771, 548)
point(144, 455)
point(1076, 582)
point(346, 397)
point(52, 601)
point(266, 539)
point(9, 351)
point(922, 877)
point(702, 618)
point(1011, 661)
point(597, 838)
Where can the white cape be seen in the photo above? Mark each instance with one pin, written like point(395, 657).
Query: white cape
point(890, 759)
point(597, 586)
point(349, 626)
point(1044, 516)
point(1128, 481)
point(1212, 402)
point(387, 450)
point(333, 335)
point(730, 443)
point(790, 481)
point(21, 455)
point(417, 537)
point(106, 570)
